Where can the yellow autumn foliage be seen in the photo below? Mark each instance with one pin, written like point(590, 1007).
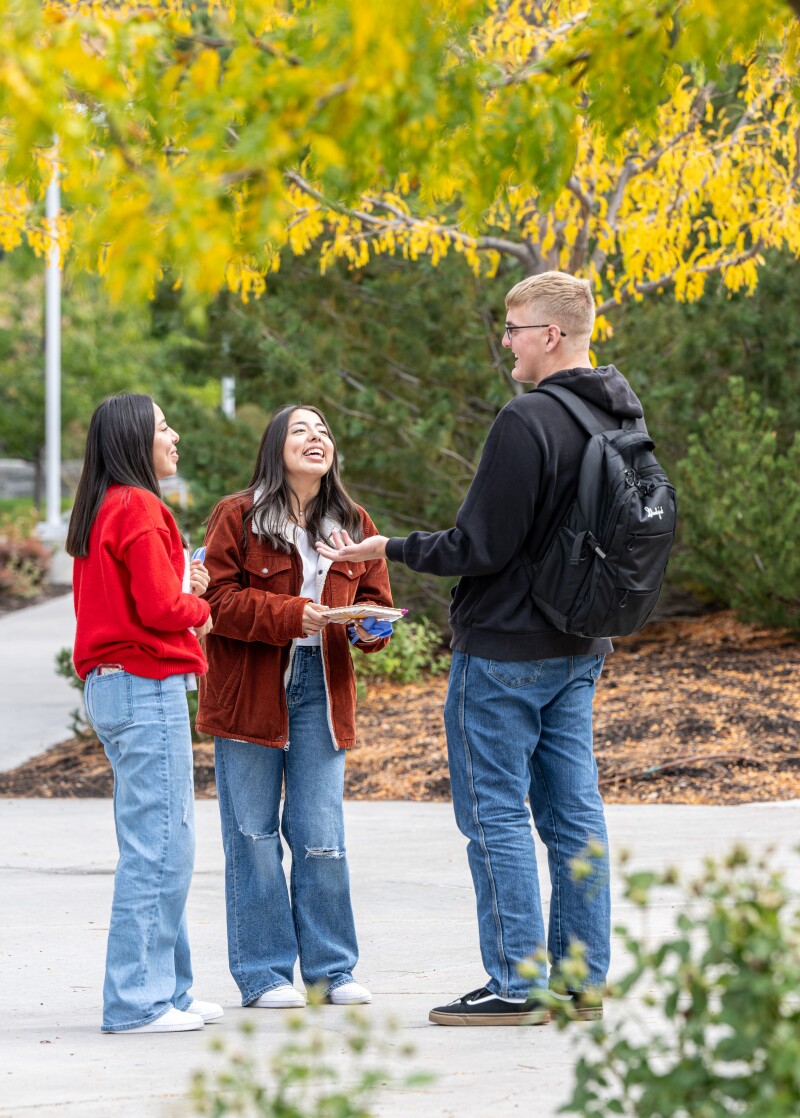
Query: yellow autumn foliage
point(647, 148)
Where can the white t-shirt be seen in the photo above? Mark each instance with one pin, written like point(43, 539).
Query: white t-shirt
point(309, 588)
point(191, 678)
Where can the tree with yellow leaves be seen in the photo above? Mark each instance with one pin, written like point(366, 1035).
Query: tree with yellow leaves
point(644, 146)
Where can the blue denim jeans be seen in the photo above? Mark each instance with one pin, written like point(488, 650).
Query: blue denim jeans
point(524, 728)
point(144, 727)
point(270, 926)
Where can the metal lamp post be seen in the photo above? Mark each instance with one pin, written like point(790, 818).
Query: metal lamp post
point(52, 334)
point(52, 529)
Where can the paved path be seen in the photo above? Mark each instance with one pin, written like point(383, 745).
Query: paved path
point(416, 920)
point(35, 703)
point(414, 909)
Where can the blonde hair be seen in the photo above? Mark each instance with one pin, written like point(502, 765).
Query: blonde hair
point(560, 299)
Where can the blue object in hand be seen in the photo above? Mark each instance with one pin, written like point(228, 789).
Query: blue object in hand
point(200, 553)
point(374, 627)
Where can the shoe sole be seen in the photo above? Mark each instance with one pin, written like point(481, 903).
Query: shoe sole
point(208, 1017)
point(535, 1018)
point(281, 1005)
point(165, 1029)
point(349, 1001)
point(595, 1013)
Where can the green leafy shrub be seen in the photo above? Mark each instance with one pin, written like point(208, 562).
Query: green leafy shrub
point(414, 651)
point(726, 984)
point(18, 515)
point(312, 1074)
point(739, 496)
point(79, 723)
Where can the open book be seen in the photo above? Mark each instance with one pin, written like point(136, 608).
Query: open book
point(343, 615)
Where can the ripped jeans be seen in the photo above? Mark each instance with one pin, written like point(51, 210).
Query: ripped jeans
point(144, 727)
point(270, 926)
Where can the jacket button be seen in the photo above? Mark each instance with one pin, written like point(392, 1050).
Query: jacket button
point(349, 572)
point(265, 570)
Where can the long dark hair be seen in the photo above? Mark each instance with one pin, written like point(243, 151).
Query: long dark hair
point(273, 504)
point(119, 450)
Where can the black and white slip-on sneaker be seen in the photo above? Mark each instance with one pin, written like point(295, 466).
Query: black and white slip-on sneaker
point(482, 1007)
point(588, 1005)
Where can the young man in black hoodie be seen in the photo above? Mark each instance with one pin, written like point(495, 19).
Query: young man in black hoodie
point(518, 713)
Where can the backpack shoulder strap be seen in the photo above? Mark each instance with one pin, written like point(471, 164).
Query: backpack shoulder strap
point(579, 411)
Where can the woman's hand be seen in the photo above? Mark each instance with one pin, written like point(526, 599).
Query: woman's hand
point(198, 578)
point(373, 547)
point(314, 619)
point(364, 634)
point(204, 629)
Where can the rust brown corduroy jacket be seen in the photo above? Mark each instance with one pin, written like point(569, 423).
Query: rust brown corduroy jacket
point(257, 614)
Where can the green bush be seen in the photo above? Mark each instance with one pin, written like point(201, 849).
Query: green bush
point(726, 986)
point(678, 356)
point(414, 651)
point(739, 495)
point(24, 562)
point(79, 723)
point(312, 1074)
point(18, 515)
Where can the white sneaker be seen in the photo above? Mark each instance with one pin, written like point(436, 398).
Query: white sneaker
point(280, 997)
point(209, 1011)
point(173, 1021)
point(351, 993)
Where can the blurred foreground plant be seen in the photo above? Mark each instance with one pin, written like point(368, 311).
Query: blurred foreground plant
point(725, 986)
point(312, 1074)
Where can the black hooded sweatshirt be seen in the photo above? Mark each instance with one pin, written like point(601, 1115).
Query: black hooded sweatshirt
point(525, 483)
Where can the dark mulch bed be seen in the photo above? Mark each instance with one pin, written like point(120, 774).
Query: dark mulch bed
point(10, 604)
point(702, 710)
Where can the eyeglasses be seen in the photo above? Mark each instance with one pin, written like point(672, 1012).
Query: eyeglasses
point(510, 329)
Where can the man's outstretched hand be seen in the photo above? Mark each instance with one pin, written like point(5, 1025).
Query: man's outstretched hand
point(374, 547)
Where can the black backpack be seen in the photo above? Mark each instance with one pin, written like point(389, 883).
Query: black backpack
point(601, 573)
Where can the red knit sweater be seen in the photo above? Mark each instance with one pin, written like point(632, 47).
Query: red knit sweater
point(130, 607)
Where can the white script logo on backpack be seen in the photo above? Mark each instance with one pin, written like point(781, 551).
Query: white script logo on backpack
point(658, 511)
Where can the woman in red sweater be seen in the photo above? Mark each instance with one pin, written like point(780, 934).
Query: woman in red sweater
point(139, 616)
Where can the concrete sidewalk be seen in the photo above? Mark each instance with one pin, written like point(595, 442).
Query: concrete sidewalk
point(416, 918)
point(35, 703)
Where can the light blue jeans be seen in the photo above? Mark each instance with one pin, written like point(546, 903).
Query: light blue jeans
point(270, 926)
point(144, 727)
point(524, 728)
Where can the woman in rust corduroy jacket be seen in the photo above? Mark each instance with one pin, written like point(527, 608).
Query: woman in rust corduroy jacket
point(279, 698)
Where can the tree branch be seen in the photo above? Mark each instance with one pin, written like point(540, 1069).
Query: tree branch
point(796, 168)
point(334, 91)
point(532, 63)
point(217, 43)
point(667, 281)
point(498, 357)
point(448, 453)
point(349, 378)
point(518, 250)
point(586, 200)
point(577, 258)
